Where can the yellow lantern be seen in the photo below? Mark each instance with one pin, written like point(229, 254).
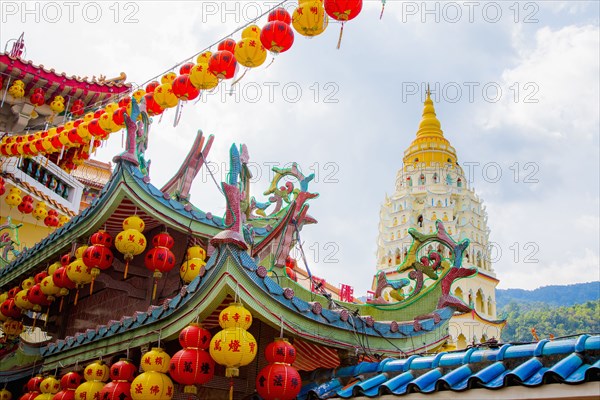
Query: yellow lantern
point(88, 117)
point(96, 371)
point(13, 198)
point(5, 394)
point(78, 272)
point(83, 132)
point(138, 95)
point(40, 212)
point(190, 269)
point(156, 360)
point(63, 219)
point(153, 383)
point(169, 77)
point(310, 19)
point(27, 283)
point(58, 104)
point(203, 58)
point(53, 267)
point(250, 52)
point(49, 387)
point(235, 316)
point(63, 138)
point(107, 124)
point(12, 328)
point(49, 288)
point(252, 31)
point(131, 241)
point(22, 301)
point(111, 107)
point(233, 348)
point(202, 78)
point(17, 89)
point(152, 386)
point(164, 96)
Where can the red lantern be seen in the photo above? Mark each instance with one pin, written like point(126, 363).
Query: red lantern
point(222, 64)
point(124, 102)
point(39, 277)
point(123, 370)
point(38, 298)
point(96, 130)
point(122, 374)
point(119, 116)
point(152, 107)
point(280, 14)
point(68, 383)
point(280, 351)
point(78, 107)
point(98, 256)
point(278, 382)
point(160, 259)
point(37, 98)
point(61, 280)
point(52, 219)
point(183, 88)
point(343, 10)
point(26, 206)
point(186, 68)
point(33, 385)
point(277, 37)
point(151, 86)
point(192, 365)
point(9, 309)
point(228, 45)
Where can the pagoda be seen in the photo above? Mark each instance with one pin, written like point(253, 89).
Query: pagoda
point(431, 186)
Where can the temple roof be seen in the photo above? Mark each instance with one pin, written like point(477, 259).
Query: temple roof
point(571, 361)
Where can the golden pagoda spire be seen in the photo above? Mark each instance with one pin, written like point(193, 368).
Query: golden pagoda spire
point(430, 125)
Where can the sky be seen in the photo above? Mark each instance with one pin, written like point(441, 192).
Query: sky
point(515, 86)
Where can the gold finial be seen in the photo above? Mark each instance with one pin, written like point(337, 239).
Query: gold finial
point(429, 125)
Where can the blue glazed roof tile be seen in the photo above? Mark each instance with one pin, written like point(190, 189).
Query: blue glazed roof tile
point(570, 361)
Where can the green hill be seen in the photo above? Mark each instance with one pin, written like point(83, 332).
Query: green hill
point(555, 295)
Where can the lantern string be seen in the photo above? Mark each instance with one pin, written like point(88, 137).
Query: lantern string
point(159, 336)
point(281, 328)
point(5, 91)
point(339, 44)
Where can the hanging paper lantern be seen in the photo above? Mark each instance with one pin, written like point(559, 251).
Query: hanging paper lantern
point(279, 380)
point(14, 197)
point(153, 383)
point(152, 107)
point(160, 259)
point(152, 86)
point(49, 387)
point(98, 256)
point(183, 88)
point(343, 10)
point(122, 374)
point(280, 14)
point(96, 130)
point(204, 57)
point(9, 309)
point(2, 187)
point(95, 375)
point(68, 383)
point(48, 287)
point(40, 212)
point(223, 64)
point(194, 262)
point(228, 45)
point(37, 98)
point(277, 37)
point(251, 32)
point(138, 95)
point(131, 241)
point(22, 300)
point(169, 77)
point(12, 328)
point(78, 272)
point(58, 104)
point(33, 384)
point(250, 52)
point(62, 281)
point(309, 19)
point(4, 394)
point(233, 347)
point(192, 365)
point(164, 96)
point(119, 116)
point(107, 124)
point(78, 107)
point(26, 205)
point(38, 298)
point(52, 219)
point(186, 68)
point(62, 220)
point(202, 78)
point(17, 89)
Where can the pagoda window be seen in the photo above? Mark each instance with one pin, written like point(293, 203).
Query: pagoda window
point(461, 342)
point(445, 216)
point(403, 219)
point(459, 182)
point(420, 221)
point(422, 179)
point(434, 216)
point(467, 256)
point(479, 259)
point(448, 179)
point(439, 203)
point(409, 181)
point(395, 221)
point(398, 259)
point(393, 237)
point(479, 305)
point(435, 178)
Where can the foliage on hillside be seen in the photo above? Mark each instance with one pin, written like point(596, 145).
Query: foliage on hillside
point(555, 295)
point(558, 321)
